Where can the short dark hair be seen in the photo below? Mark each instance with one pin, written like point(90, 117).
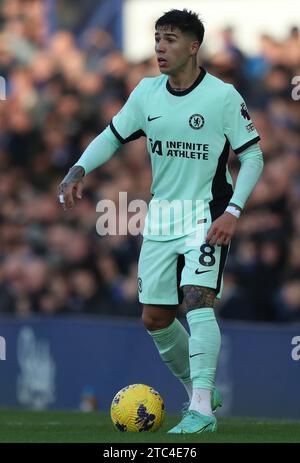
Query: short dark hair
point(186, 21)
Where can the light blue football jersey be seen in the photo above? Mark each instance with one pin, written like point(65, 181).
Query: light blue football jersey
point(189, 134)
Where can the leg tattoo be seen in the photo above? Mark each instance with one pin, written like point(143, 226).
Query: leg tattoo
point(197, 297)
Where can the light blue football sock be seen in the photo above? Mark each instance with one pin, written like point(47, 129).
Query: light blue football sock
point(204, 347)
point(173, 346)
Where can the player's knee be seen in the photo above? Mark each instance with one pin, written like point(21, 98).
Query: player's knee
point(156, 319)
point(197, 297)
point(152, 323)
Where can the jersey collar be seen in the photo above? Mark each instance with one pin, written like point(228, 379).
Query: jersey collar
point(189, 89)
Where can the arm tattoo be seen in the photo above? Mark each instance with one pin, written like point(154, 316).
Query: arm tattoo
point(75, 174)
point(197, 297)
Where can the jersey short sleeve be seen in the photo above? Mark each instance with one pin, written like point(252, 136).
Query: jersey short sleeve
point(127, 124)
point(238, 126)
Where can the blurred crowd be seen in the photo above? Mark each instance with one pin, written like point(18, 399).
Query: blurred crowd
point(60, 95)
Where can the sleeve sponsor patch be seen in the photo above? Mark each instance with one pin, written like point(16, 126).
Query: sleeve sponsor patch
point(244, 112)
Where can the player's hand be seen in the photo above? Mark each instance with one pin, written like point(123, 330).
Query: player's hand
point(222, 230)
point(71, 187)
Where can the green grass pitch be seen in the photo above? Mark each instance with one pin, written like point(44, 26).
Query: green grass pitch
point(77, 427)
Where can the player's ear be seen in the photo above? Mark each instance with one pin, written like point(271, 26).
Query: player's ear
point(195, 45)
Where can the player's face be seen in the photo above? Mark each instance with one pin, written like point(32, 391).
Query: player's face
point(173, 49)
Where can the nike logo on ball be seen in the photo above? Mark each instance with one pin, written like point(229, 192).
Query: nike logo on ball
point(153, 118)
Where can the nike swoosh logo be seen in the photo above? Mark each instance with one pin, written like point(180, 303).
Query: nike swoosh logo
point(202, 271)
point(200, 430)
point(194, 355)
point(153, 118)
point(203, 429)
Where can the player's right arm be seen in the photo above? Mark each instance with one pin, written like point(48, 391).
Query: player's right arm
point(125, 126)
point(97, 153)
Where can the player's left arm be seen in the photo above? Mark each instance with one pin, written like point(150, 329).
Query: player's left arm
point(223, 228)
point(242, 135)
